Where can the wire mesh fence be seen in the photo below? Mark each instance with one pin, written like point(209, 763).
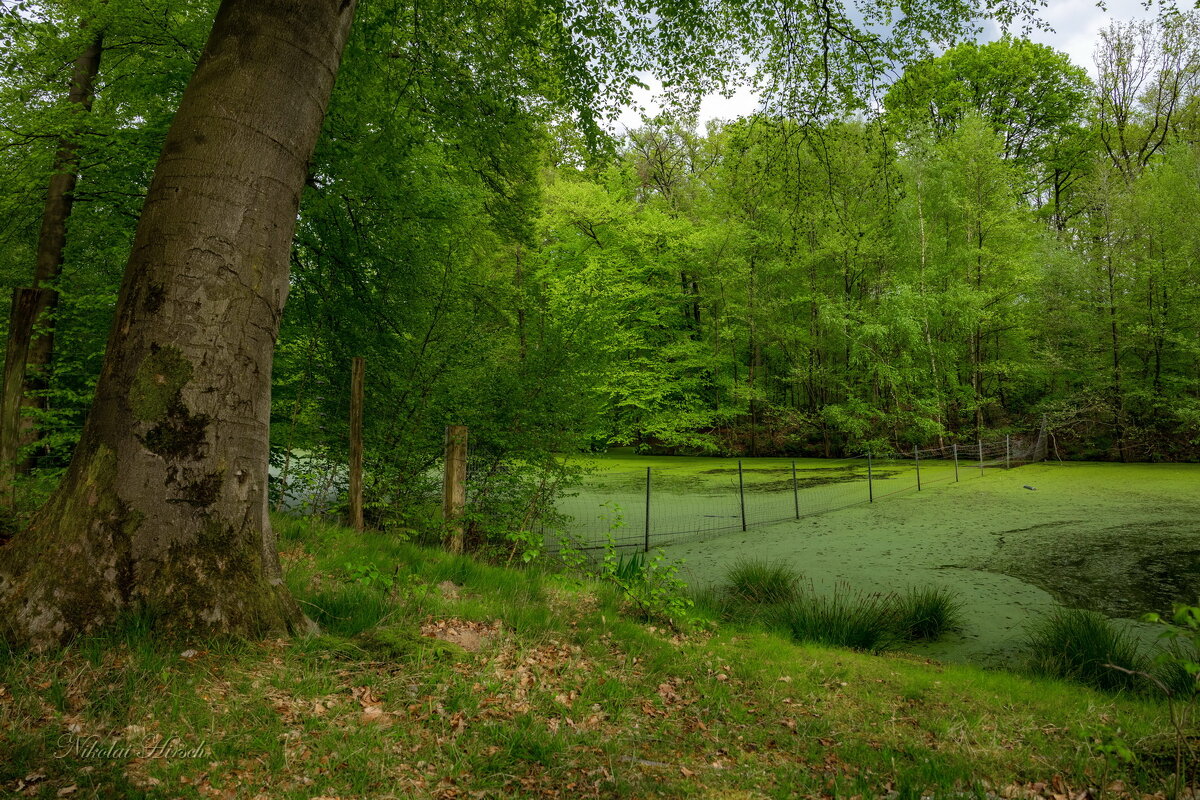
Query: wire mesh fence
point(662, 505)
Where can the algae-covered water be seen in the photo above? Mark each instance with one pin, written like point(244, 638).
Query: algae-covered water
point(1121, 539)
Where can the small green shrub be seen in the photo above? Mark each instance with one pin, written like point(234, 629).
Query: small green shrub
point(760, 582)
point(651, 586)
point(924, 613)
point(1177, 675)
point(1087, 648)
point(370, 575)
point(844, 619)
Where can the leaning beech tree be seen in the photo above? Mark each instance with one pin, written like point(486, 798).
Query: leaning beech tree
point(163, 509)
point(164, 506)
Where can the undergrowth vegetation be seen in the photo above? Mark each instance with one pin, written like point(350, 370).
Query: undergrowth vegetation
point(771, 594)
point(436, 676)
point(1086, 647)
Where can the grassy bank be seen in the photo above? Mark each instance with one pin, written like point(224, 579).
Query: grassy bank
point(440, 677)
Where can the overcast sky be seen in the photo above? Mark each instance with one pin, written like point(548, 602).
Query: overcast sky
point(1076, 23)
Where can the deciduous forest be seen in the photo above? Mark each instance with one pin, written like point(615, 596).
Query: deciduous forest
point(210, 209)
point(992, 242)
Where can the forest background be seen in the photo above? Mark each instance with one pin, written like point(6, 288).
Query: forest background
point(998, 244)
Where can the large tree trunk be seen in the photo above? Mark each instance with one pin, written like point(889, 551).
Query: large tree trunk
point(31, 326)
point(164, 508)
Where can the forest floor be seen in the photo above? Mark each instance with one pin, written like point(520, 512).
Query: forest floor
point(440, 677)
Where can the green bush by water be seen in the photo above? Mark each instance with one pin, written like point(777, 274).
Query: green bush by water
point(844, 619)
point(761, 582)
point(925, 613)
point(1086, 647)
point(757, 590)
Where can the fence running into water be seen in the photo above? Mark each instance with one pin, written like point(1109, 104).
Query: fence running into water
point(664, 505)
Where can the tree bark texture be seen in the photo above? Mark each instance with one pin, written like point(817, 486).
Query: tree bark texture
point(26, 304)
point(163, 510)
point(357, 378)
point(31, 333)
point(454, 485)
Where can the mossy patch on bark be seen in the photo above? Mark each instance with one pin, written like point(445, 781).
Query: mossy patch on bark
point(157, 383)
point(198, 492)
point(179, 434)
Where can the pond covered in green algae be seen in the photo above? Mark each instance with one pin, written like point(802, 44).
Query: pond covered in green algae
point(1121, 539)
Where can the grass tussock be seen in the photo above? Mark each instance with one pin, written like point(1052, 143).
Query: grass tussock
point(1086, 647)
point(761, 592)
point(845, 618)
point(926, 613)
point(759, 582)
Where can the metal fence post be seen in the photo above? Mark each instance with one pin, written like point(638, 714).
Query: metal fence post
point(647, 542)
point(955, 446)
point(870, 481)
point(1007, 451)
point(917, 461)
point(795, 490)
point(742, 494)
point(981, 458)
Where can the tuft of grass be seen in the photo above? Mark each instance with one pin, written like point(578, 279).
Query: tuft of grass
point(846, 618)
point(760, 582)
point(925, 613)
point(1171, 672)
point(1086, 647)
point(631, 569)
point(349, 609)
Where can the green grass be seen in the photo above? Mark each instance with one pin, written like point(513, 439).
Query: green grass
point(1088, 648)
point(761, 582)
point(756, 591)
point(461, 679)
point(925, 613)
point(1171, 673)
point(846, 618)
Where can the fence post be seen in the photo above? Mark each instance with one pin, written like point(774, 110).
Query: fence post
point(1007, 451)
point(795, 489)
point(357, 371)
point(917, 461)
point(981, 458)
point(742, 494)
point(646, 544)
point(454, 487)
point(955, 446)
point(870, 481)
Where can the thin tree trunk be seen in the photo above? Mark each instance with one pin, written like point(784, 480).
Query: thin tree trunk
point(519, 285)
point(164, 507)
point(30, 348)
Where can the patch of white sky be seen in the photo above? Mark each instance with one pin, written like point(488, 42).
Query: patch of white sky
point(1074, 28)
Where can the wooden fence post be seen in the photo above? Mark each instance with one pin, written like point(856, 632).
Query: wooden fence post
point(454, 486)
point(357, 370)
